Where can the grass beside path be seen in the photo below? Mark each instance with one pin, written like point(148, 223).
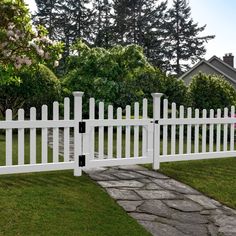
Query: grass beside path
point(57, 203)
point(215, 178)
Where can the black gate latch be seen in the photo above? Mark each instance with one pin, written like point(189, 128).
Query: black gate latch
point(82, 127)
point(81, 160)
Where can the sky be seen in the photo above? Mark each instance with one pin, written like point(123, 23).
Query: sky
point(218, 16)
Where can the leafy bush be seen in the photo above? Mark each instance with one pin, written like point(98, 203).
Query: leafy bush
point(211, 92)
point(107, 75)
point(120, 75)
point(34, 87)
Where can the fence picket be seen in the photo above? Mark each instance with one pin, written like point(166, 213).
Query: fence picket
point(44, 137)
point(189, 131)
point(165, 133)
point(136, 130)
point(110, 133)
point(21, 139)
point(55, 133)
point(101, 131)
point(173, 128)
point(127, 133)
point(66, 130)
point(144, 130)
point(232, 127)
point(204, 115)
point(33, 137)
point(225, 130)
point(8, 139)
point(218, 132)
point(211, 136)
point(196, 133)
point(181, 131)
point(119, 134)
point(92, 117)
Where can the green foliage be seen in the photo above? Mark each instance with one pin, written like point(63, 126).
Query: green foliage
point(36, 87)
point(211, 92)
point(185, 42)
point(109, 75)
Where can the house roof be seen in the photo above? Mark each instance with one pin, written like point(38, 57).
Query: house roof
point(208, 63)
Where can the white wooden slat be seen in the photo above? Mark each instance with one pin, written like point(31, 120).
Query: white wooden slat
point(196, 133)
point(211, 136)
point(44, 137)
point(144, 129)
point(181, 131)
point(8, 139)
point(165, 134)
point(127, 133)
point(101, 131)
point(218, 132)
point(33, 137)
point(110, 133)
point(173, 129)
point(119, 134)
point(189, 131)
point(55, 144)
point(66, 130)
point(225, 143)
point(92, 135)
point(21, 139)
point(204, 115)
point(232, 127)
point(136, 130)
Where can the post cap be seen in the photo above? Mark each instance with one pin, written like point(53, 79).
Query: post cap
point(157, 95)
point(78, 94)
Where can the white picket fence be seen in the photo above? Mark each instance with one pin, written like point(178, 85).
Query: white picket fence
point(118, 137)
point(207, 136)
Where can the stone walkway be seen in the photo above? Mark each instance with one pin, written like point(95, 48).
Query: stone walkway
point(163, 206)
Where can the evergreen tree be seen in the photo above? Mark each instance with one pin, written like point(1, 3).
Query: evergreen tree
point(66, 20)
point(142, 22)
point(102, 24)
point(185, 42)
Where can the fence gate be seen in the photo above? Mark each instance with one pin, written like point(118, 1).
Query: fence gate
point(112, 138)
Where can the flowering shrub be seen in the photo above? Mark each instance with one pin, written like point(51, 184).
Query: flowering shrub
point(21, 43)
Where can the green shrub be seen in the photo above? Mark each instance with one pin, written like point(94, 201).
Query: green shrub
point(211, 92)
point(36, 86)
point(120, 75)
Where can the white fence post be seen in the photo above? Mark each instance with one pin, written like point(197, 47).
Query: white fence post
point(156, 136)
point(77, 136)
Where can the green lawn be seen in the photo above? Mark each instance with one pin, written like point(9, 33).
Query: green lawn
point(57, 203)
point(216, 178)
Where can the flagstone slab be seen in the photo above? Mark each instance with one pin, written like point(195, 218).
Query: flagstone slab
point(156, 194)
point(121, 183)
point(184, 205)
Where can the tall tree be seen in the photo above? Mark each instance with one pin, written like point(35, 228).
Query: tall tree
point(102, 23)
point(142, 22)
point(66, 20)
point(185, 41)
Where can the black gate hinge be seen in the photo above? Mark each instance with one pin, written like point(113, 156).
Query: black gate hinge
point(82, 127)
point(156, 121)
point(81, 160)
